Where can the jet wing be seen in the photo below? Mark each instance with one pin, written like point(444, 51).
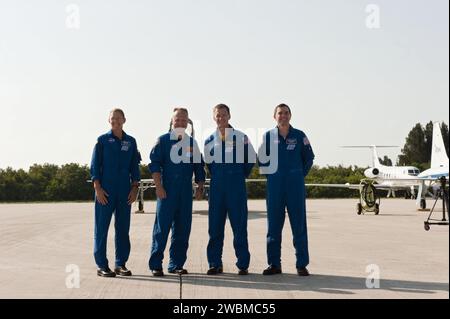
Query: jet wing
point(351, 186)
point(348, 185)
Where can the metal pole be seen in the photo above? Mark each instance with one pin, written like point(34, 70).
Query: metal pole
point(181, 285)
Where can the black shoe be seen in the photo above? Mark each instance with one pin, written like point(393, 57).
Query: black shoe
point(178, 271)
point(302, 272)
point(215, 271)
point(243, 272)
point(105, 272)
point(157, 272)
point(272, 270)
point(122, 271)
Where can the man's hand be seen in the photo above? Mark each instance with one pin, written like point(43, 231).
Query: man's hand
point(101, 195)
point(161, 192)
point(133, 194)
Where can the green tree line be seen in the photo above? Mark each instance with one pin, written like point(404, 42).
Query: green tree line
point(69, 182)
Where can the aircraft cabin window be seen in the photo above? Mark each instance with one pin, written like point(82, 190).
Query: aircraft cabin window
point(413, 172)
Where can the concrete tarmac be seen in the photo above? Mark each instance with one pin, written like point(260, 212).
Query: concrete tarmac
point(44, 246)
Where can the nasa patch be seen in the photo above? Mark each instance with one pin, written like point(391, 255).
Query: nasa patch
point(291, 141)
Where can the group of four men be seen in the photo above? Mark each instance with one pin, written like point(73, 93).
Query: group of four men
point(285, 157)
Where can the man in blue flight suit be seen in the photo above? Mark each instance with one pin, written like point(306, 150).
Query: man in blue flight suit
point(115, 174)
point(173, 161)
point(230, 158)
point(290, 159)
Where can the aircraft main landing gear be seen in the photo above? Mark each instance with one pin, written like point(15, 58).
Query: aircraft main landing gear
point(423, 204)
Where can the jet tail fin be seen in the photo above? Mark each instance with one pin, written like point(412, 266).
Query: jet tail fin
point(375, 158)
point(439, 156)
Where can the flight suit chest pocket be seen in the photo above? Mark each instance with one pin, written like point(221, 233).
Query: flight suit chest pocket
point(110, 149)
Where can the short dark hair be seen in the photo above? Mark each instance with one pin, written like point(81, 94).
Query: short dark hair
point(118, 111)
point(222, 107)
point(181, 109)
point(280, 106)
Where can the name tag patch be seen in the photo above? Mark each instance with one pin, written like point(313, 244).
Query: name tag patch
point(291, 144)
point(125, 146)
point(291, 147)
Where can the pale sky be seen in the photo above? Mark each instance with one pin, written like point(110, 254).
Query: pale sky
point(347, 84)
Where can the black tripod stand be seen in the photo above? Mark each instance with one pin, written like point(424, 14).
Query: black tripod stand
point(442, 193)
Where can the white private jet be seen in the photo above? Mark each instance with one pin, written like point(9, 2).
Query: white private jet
point(393, 178)
point(378, 176)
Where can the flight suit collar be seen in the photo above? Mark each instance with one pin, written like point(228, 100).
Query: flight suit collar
point(287, 136)
point(219, 136)
point(124, 135)
point(185, 136)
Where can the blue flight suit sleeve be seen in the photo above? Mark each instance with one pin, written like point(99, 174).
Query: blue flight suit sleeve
point(307, 155)
point(264, 153)
point(207, 152)
point(156, 158)
point(199, 168)
point(250, 156)
point(97, 161)
point(135, 160)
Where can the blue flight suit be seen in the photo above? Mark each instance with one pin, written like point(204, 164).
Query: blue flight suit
point(115, 163)
point(286, 189)
point(228, 194)
point(175, 211)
